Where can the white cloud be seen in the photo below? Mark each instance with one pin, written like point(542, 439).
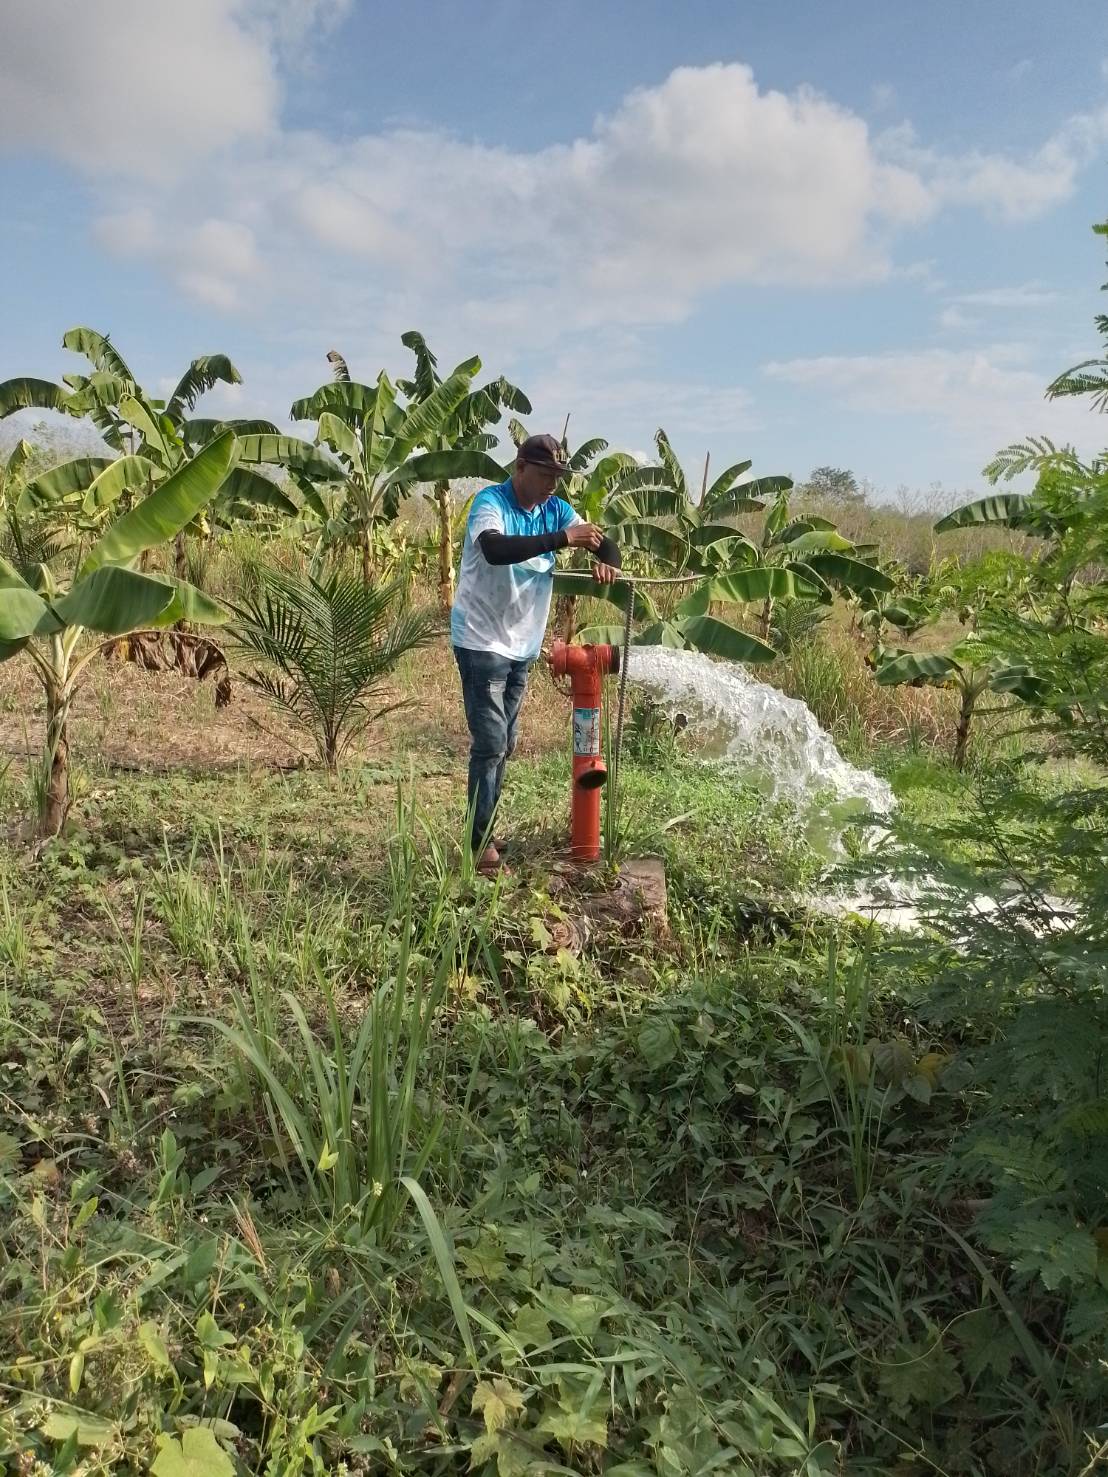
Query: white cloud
point(132, 88)
point(981, 398)
point(1010, 188)
point(1026, 295)
point(700, 182)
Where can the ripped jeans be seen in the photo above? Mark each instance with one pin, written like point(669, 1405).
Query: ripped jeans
point(493, 689)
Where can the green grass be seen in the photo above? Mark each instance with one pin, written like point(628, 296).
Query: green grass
point(321, 1152)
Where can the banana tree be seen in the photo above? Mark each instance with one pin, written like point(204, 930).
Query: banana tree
point(465, 429)
point(908, 606)
point(651, 510)
point(106, 597)
point(376, 440)
point(970, 668)
point(689, 624)
point(151, 440)
point(813, 549)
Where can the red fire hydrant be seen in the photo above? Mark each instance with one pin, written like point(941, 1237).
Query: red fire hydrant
point(586, 667)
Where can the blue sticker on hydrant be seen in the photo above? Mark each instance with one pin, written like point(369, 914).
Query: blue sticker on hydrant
point(586, 730)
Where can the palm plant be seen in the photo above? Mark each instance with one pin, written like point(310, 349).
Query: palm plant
point(377, 442)
point(329, 645)
point(466, 429)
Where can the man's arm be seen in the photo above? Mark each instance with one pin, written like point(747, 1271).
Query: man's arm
point(515, 548)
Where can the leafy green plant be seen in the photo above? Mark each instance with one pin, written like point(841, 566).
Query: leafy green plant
point(376, 439)
point(465, 430)
point(329, 645)
point(151, 440)
point(106, 597)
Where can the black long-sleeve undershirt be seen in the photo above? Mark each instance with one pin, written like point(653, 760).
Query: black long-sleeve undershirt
point(515, 548)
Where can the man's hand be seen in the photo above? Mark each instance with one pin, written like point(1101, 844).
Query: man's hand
point(584, 536)
point(605, 574)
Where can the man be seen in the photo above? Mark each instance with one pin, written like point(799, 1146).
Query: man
point(501, 609)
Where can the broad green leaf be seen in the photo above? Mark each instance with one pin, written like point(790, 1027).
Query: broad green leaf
point(658, 1042)
point(1002, 507)
point(152, 1341)
point(126, 473)
point(647, 500)
point(345, 398)
point(803, 571)
point(428, 416)
point(169, 509)
point(288, 451)
point(137, 412)
point(652, 538)
point(498, 1402)
point(760, 582)
point(97, 393)
point(616, 594)
point(512, 397)
point(447, 466)
point(378, 426)
point(113, 600)
point(706, 534)
point(815, 541)
point(201, 375)
point(336, 434)
point(661, 633)
point(930, 667)
point(765, 488)
point(807, 524)
point(190, 604)
point(31, 394)
point(19, 456)
point(571, 1428)
point(63, 481)
point(852, 574)
point(196, 1453)
point(426, 363)
point(718, 638)
point(674, 474)
point(199, 432)
point(580, 459)
point(531, 1326)
point(723, 486)
point(244, 485)
point(99, 349)
point(89, 1429)
point(21, 613)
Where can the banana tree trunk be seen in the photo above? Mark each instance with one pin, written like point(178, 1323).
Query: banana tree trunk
point(180, 567)
point(766, 618)
point(56, 797)
point(367, 555)
point(962, 731)
point(446, 546)
point(565, 617)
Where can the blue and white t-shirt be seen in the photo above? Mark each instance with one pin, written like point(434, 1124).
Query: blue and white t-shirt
point(504, 608)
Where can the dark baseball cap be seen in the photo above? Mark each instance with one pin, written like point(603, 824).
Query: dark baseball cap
point(543, 451)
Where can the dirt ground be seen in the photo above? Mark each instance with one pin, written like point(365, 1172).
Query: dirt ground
point(160, 722)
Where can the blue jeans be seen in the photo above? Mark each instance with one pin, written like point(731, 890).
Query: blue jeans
point(493, 689)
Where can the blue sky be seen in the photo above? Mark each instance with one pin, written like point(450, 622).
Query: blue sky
point(854, 234)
